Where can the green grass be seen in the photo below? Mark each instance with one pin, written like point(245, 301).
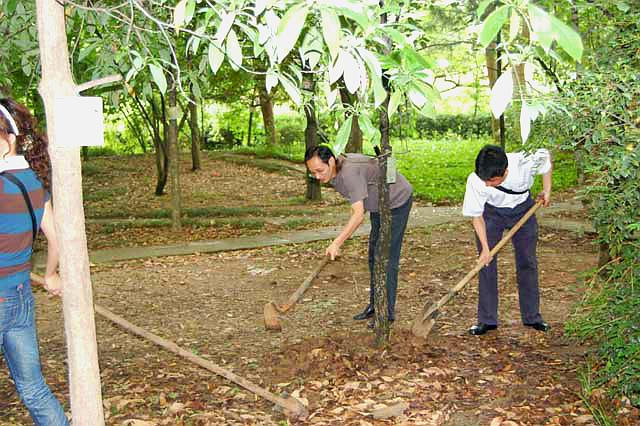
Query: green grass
point(437, 168)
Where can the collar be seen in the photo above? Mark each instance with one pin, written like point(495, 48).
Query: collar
point(16, 162)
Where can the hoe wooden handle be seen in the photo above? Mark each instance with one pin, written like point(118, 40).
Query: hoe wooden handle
point(425, 320)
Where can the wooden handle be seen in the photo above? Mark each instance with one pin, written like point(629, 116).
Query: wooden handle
point(432, 311)
point(295, 297)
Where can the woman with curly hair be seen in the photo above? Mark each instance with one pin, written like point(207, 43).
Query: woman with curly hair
point(25, 207)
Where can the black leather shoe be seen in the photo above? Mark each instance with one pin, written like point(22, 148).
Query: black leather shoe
point(372, 322)
point(481, 328)
point(540, 326)
point(366, 314)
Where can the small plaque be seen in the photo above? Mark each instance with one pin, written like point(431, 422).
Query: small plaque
point(79, 121)
point(391, 170)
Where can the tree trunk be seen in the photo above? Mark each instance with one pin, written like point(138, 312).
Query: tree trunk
point(519, 90)
point(578, 153)
point(195, 134)
point(266, 106)
point(79, 319)
point(311, 139)
point(382, 329)
point(492, 74)
point(250, 125)
point(355, 136)
point(174, 155)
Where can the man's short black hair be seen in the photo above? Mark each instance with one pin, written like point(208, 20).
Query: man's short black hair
point(491, 162)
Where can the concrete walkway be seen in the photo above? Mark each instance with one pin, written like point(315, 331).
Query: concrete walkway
point(420, 217)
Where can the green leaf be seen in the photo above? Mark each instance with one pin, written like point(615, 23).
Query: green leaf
point(291, 89)
point(330, 95)
point(225, 25)
point(372, 61)
point(352, 75)
point(483, 6)
point(541, 25)
point(216, 56)
point(395, 35)
point(331, 31)
point(492, 25)
point(158, 77)
point(234, 50)
point(514, 25)
point(379, 93)
point(501, 93)
point(416, 96)
point(271, 80)
point(360, 18)
point(179, 14)
point(394, 102)
point(289, 30)
point(342, 138)
point(567, 38)
point(368, 130)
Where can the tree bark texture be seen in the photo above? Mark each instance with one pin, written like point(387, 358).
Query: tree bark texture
point(266, 106)
point(381, 326)
point(174, 156)
point(195, 134)
point(79, 319)
point(355, 136)
point(492, 74)
point(311, 139)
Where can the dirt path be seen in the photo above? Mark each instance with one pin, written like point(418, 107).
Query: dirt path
point(212, 304)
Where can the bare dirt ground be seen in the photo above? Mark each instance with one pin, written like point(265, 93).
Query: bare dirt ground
point(213, 305)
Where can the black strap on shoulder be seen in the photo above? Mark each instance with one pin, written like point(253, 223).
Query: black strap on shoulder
point(11, 178)
point(509, 191)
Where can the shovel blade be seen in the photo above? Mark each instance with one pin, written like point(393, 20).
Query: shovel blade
point(271, 320)
point(422, 329)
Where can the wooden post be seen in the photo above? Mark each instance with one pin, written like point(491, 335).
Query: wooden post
point(79, 321)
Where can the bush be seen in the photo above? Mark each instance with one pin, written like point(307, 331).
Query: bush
point(603, 127)
point(466, 126)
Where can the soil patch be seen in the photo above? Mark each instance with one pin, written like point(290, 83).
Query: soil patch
point(212, 305)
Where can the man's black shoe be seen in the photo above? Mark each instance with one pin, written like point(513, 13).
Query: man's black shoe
point(366, 314)
point(540, 326)
point(481, 328)
point(372, 322)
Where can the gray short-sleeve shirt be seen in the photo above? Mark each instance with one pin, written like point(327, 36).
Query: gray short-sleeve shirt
point(357, 180)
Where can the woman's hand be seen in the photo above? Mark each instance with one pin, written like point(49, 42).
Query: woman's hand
point(53, 284)
point(545, 197)
point(332, 251)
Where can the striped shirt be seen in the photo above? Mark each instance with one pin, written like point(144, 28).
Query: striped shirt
point(16, 235)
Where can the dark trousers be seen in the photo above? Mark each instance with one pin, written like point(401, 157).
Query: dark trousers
point(399, 218)
point(524, 243)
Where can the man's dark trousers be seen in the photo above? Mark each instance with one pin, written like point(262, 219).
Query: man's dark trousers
point(399, 219)
point(524, 243)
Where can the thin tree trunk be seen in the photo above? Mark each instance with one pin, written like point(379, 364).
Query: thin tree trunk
point(266, 106)
point(250, 125)
point(492, 74)
point(519, 89)
point(382, 326)
point(310, 140)
point(79, 317)
point(195, 134)
point(578, 153)
point(503, 141)
point(174, 155)
point(355, 136)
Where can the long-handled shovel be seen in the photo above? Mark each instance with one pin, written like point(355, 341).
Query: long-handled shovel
point(272, 310)
point(424, 322)
point(291, 406)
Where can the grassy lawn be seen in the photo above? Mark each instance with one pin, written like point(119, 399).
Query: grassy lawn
point(437, 168)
